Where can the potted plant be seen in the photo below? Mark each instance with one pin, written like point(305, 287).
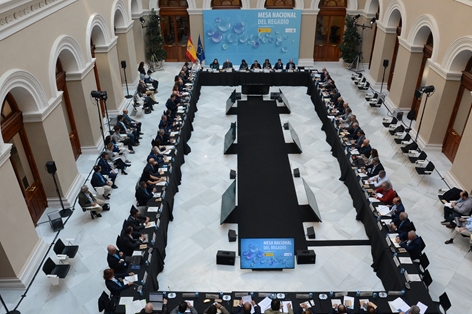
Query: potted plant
point(349, 48)
point(155, 52)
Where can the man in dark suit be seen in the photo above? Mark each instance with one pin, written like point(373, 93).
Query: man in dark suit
point(290, 65)
point(116, 259)
point(374, 168)
point(151, 175)
point(255, 65)
point(129, 242)
point(130, 122)
point(413, 245)
point(397, 208)
point(106, 168)
point(365, 148)
point(402, 225)
point(279, 65)
point(133, 135)
point(98, 180)
point(163, 137)
point(227, 65)
point(135, 220)
point(142, 194)
point(171, 105)
point(246, 307)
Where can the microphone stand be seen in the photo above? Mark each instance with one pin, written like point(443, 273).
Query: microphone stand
point(421, 119)
point(6, 308)
point(100, 120)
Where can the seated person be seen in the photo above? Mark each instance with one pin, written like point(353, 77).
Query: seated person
point(133, 134)
point(148, 308)
point(117, 138)
point(365, 149)
point(227, 65)
point(403, 225)
point(107, 170)
point(182, 308)
point(279, 65)
point(464, 231)
point(151, 175)
point(276, 307)
point(246, 308)
point(98, 180)
point(149, 80)
point(212, 309)
point(142, 194)
point(171, 105)
point(215, 65)
point(462, 207)
point(183, 77)
point(117, 156)
point(397, 208)
point(135, 220)
point(369, 308)
point(305, 309)
point(131, 123)
point(374, 168)
point(86, 199)
point(290, 65)
point(113, 284)
point(368, 160)
point(116, 259)
point(377, 180)
point(130, 241)
point(163, 137)
point(157, 154)
point(414, 309)
point(143, 90)
point(339, 308)
point(387, 193)
point(243, 66)
point(255, 65)
point(266, 65)
point(413, 245)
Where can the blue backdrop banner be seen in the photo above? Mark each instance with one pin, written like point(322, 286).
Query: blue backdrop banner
point(251, 35)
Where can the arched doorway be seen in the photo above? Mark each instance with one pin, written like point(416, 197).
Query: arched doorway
point(67, 109)
point(423, 73)
point(22, 159)
point(394, 55)
point(460, 114)
point(329, 30)
point(175, 28)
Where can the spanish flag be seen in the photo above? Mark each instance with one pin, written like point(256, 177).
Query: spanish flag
point(191, 52)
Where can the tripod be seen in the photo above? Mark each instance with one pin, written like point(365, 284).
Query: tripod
point(359, 54)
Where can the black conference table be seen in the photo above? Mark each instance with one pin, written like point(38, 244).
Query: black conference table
point(384, 265)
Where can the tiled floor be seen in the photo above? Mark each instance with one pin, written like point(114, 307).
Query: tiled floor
point(195, 234)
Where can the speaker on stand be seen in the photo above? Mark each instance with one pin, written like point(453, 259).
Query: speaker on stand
point(123, 66)
point(385, 65)
point(51, 169)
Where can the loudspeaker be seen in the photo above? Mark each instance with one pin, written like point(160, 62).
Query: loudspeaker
point(306, 257)
point(55, 221)
point(385, 64)
point(51, 167)
point(310, 231)
point(232, 174)
point(225, 257)
point(123, 64)
point(286, 126)
point(400, 115)
point(411, 114)
point(231, 235)
point(296, 173)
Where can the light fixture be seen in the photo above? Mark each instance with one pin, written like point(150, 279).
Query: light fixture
point(99, 95)
point(372, 21)
point(356, 16)
point(142, 20)
point(428, 89)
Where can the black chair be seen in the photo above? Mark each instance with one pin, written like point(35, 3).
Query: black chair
point(105, 303)
point(364, 86)
point(423, 245)
point(412, 225)
point(386, 122)
point(421, 156)
point(69, 250)
point(406, 138)
point(427, 278)
point(398, 129)
point(424, 261)
point(411, 146)
point(425, 171)
point(118, 241)
point(55, 271)
point(443, 302)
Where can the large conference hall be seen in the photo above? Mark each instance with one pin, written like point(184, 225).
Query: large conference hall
point(58, 56)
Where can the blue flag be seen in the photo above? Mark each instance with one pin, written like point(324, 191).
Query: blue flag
point(200, 51)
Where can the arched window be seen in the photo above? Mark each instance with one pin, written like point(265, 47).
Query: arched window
point(332, 3)
point(280, 4)
point(226, 4)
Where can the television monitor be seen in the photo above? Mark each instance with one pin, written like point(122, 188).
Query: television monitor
point(267, 253)
point(255, 89)
point(228, 202)
point(231, 100)
point(284, 100)
point(230, 137)
point(294, 136)
point(311, 199)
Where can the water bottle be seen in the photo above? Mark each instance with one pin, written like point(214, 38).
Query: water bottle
point(221, 294)
point(378, 217)
point(358, 293)
point(403, 292)
point(402, 271)
point(196, 295)
point(374, 295)
point(331, 294)
point(147, 263)
point(252, 294)
point(310, 295)
point(164, 293)
point(395, 254)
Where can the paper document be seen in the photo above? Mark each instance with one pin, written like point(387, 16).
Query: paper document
point(405, 260)
point(379, 194)
point(383, 210)
point(153, 209)
point(129, 279)
point(151, 224)
point(125, 300)
point(265, 304)
point(349, 302)
point(285, 307)
point(135, 306)
point(373, 200)
point(362, 175)
point(422, 307)
point(398, 304)
point(414, 277)
point(354, 152)
point(366, 301)
point(448, 205)
point(137, 253)
point(335, 301)
point(162, 183)
point(248, 298)
point(174, 133)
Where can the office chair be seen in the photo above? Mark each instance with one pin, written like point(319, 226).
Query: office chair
point(414, 156)
point(424, 170)
point(443, 302)
point(427, 278)
point(68, 250)
point(54, 271)
point(389, 121)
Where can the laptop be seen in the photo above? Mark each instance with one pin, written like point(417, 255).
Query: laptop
point(156, 300)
